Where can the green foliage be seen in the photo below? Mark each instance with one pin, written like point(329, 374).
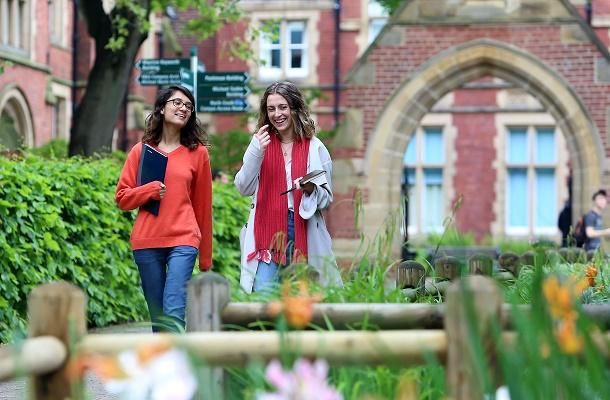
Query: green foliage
point(451, 237)
point(516, 246)
point(58, 220)
point(56, 148)
point(391, 5)
point(227, 150)
point(230, 214)
point(3, 65)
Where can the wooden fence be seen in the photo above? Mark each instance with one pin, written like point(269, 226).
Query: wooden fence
point(408, 333)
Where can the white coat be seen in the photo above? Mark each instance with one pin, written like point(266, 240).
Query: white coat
point(319, 245)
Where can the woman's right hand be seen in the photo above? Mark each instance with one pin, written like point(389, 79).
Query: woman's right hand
point(161, 193)
point(263, 137)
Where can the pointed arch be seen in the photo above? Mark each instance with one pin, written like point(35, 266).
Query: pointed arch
point(446, 72)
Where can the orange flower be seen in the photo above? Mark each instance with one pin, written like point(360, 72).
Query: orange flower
point(561, 298)
point(569, 340)
point(298, 309)
point(105, 367)
point(590, 274)
point(147, 352)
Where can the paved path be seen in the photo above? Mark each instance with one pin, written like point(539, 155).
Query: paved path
point(16, 389)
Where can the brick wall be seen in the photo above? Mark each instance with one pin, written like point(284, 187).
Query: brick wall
point(474, 147)
point(394, 64)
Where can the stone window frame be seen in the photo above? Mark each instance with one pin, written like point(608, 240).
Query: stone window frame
point(14, 102)
point(371, 8)
point(311, 17)
point(58, 22)
point(449, 132)
point(285, 47)
point(15, 26)
point(532, 121)
point(62, 111)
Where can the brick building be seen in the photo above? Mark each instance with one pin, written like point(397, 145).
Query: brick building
point(491, 136)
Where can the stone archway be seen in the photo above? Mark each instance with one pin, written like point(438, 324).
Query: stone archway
point(14, 105)
point(447, 71)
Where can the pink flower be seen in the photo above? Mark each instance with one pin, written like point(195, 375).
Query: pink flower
point(307, 381)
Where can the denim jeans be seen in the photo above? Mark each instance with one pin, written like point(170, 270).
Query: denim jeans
point(164, 273)
point(268, 274)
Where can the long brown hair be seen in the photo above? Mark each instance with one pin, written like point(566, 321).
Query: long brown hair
point(304, 127)
point(192, 133)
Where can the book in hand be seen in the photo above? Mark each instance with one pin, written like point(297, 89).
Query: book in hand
point(152, 168)
point(310, 177)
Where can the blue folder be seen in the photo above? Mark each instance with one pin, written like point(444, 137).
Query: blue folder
point(152, 168)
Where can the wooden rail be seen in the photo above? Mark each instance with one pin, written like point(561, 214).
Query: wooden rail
point(379, 315)
point(58, 310)
point(35, 356)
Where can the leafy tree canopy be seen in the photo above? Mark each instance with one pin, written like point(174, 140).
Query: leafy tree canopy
point(391, 5)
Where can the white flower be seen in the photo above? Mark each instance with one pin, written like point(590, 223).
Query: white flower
point(502, 393)
point(108, 6)
point(167, 376)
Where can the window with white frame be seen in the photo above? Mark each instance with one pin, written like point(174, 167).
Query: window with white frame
point(13, 23)
point(423, 180)
point(59, 126)
point(378, 16)
point(283, 50)
point(531, 184)
point(57, 12)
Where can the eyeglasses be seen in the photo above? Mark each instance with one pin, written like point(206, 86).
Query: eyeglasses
point(179, 103)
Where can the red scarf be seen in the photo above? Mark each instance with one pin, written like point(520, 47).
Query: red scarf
point(271, 218)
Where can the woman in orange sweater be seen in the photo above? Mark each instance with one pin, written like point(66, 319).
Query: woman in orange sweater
point(165, 246)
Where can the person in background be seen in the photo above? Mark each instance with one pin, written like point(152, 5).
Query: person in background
point(219, 176)
point(285, 228)
point(564, 223)
point(165, 247)
point(593, 221)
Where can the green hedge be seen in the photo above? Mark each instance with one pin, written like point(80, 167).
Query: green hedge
point(58, 220)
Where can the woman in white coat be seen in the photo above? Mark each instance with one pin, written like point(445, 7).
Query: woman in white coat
point(285, 228)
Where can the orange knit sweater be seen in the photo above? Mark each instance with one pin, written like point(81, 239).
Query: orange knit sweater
point(185, 214)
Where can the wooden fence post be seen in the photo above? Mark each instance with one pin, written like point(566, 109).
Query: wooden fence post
point(448, 268)
point(528, 258)
point(57, 309)
point(410, 274)
point(207, 296)
point(472, 303)
point(510, 261)
point(481, 264)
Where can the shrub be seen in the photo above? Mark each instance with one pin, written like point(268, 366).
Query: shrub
point(230, 214)
point(56, 148)
point(58, 220)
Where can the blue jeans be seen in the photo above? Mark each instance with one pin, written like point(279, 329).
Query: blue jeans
point(164, 273)
point(268, 274)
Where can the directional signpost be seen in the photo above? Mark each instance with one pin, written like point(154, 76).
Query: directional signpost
point(217, 92)
point(163, 71)
point(222, 92)
point(222, 105)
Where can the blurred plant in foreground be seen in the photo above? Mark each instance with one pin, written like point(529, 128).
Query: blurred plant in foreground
point(561, 298)
point(152, 372)
point(307, 381)
point(297, 309)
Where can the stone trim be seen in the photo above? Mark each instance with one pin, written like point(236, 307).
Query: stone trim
point(446, 72)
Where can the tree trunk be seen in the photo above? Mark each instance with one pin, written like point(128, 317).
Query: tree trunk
point(96, 116)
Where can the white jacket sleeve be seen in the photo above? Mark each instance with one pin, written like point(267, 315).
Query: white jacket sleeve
point(247, 177)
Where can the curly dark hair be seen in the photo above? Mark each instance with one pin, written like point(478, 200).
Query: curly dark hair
point(304, 127)
point(191, 135)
